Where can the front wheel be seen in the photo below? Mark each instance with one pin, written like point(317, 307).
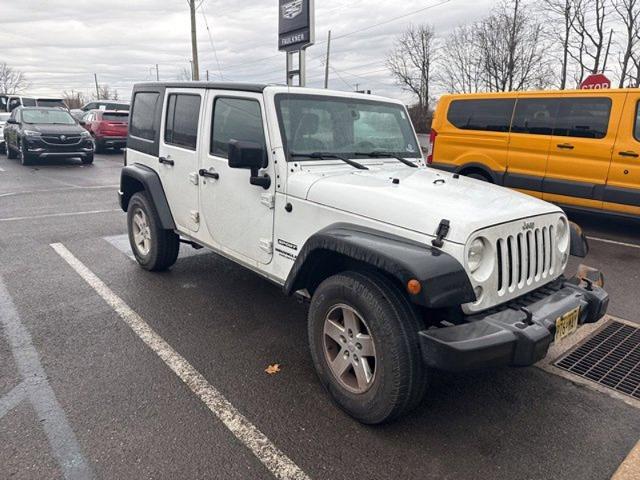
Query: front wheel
point(25, 158)
point(88, 160)
point(155, 248)
point(363, 335)
point(11, 154)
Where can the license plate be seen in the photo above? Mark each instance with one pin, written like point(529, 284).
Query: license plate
point(567, 324)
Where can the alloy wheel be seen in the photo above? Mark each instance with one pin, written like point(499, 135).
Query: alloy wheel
point(141, 232)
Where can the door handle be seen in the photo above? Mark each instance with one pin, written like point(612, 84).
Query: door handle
point(166, 161)
point(206, 173)
point(566, 146)
point(629, 154)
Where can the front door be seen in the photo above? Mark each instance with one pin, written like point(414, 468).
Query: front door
point(238, 215)
point(622, 193)
point(581, 146)
point(178, 159)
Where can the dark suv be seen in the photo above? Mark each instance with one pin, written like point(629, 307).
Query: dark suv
point(33, 133)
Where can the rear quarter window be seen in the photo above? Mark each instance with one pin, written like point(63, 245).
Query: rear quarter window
point(636, 130)
point(183, 115)
point(490, 115)
point(143, 124)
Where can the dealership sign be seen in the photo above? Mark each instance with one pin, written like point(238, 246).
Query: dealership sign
point(296, 25)
point(596, 81)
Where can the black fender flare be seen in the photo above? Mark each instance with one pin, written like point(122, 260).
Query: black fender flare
point(578, 246)
point(443, 280)
point(131, 177)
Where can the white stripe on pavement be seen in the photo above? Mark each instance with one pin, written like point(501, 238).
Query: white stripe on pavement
point(55, 190)
point(273, 459)
point(53, 215)
point(614, 242)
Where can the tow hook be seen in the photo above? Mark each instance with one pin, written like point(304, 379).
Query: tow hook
point(591, 276)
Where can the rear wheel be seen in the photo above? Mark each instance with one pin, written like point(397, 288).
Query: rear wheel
point(99, 148)
point(363, 335)
point(155, 248)
point(478, 176)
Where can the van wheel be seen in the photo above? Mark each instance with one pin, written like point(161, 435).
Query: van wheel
point(478, 176)
point(155, 248)
point(363, 335)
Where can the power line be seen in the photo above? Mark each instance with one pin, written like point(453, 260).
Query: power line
point(213, 47)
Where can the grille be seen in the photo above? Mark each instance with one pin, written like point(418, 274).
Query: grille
point(57, 140)
point(610, 357)
point(524, 258)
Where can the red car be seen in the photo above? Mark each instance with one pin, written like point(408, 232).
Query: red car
point(108, 128)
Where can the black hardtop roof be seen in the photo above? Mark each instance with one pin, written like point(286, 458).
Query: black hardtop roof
point(241, 87)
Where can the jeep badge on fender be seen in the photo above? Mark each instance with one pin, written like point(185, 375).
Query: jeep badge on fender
point(326, 193)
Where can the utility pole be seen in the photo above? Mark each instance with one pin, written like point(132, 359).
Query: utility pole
point(606, 55)
point(95, 77)
point(194, 41)
point(157, 73)
point(326, 65)
point(207, 75)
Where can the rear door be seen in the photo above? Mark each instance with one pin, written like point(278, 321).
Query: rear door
point(581, 146)
point(238, 215)
point(529, 143)
point(622, 193)
point(178, 154)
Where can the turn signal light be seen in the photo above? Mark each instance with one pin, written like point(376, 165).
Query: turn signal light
point(414, 287)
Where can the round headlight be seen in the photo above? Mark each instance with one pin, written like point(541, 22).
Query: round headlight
point(475, 254)
point(562, 235)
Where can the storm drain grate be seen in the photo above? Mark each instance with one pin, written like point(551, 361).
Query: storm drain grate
point(611, 357)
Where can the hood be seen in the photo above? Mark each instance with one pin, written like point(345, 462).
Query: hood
point(50, 129)
point(416, 199)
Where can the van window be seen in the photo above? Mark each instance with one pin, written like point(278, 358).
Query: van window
point(50, 102)
point(235, 119)
point(487, 115)
point(583, 117)
point(183, 114)
point(143, 119)
point(636, 132)
point(535, 116)
point(28, 102)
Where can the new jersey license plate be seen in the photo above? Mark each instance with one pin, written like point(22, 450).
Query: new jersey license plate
point(567, 324)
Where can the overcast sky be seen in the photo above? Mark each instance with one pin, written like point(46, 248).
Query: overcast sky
point(59, 44)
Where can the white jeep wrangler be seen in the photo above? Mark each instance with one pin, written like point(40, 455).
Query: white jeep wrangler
point(327, 194)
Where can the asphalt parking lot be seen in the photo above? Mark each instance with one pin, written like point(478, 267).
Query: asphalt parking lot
point(87, 392)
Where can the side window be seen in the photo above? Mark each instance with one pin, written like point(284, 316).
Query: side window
point(486, 115)
point(181, 126)
point(14, 103)
point(535, 116)
point(636, 130)
point(91, 106)
point(143, 119)
point(235, 119)
point(583, 117)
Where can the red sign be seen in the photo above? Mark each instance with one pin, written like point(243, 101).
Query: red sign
point(596, 81)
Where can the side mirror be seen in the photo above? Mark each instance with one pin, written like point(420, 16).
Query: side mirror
point(12, 121)
point(578, 245)
point(252, 156)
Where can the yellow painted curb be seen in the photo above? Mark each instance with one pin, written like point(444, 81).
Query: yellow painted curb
point(630, 468)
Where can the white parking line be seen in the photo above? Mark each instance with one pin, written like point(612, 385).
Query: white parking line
point(53, 215)
point(55, 190)
point(2, 169)
point(272, 458)
point(614, 242)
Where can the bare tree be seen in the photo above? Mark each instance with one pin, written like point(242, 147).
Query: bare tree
point(411, 60)
point(185, 74)
point(460, 66)
point(73, 99)
point(629, 13)
point(588, 48)
point(106, 93)
point(11, 80)
point(512, 49)
point(565, 11)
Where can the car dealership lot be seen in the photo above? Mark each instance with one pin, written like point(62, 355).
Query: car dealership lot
point(115, 409)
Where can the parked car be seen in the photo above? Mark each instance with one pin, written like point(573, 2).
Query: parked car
point(575, 148)
point(34, 133)
point(108, 128)
point(327, 195)
point(15, 101)
point(4, 116)
point(106, 105)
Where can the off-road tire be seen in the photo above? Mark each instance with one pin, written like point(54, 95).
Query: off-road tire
point(164, 244)
point(400, 379)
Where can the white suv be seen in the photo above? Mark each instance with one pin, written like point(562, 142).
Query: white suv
point(326, 193)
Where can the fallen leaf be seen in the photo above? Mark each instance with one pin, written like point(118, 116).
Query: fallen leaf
point(273, 369)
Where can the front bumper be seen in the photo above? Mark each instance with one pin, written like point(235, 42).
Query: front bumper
point(518, 334)
point(37, 148)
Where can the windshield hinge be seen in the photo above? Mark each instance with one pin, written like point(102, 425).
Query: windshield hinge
point(266, 245)
point(441, 233)
point(268, 200)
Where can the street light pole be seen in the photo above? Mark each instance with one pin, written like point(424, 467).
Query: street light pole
point(194, 41)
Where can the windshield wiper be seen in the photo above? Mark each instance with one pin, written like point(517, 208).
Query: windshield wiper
point(326, 156)
point(381, 154)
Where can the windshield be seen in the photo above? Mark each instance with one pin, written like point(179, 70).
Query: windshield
point(47, 116)
point(347, 126)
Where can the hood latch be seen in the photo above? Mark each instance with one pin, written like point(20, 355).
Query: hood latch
point(441, 233)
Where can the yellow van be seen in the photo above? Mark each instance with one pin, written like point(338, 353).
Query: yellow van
point(578, 148)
